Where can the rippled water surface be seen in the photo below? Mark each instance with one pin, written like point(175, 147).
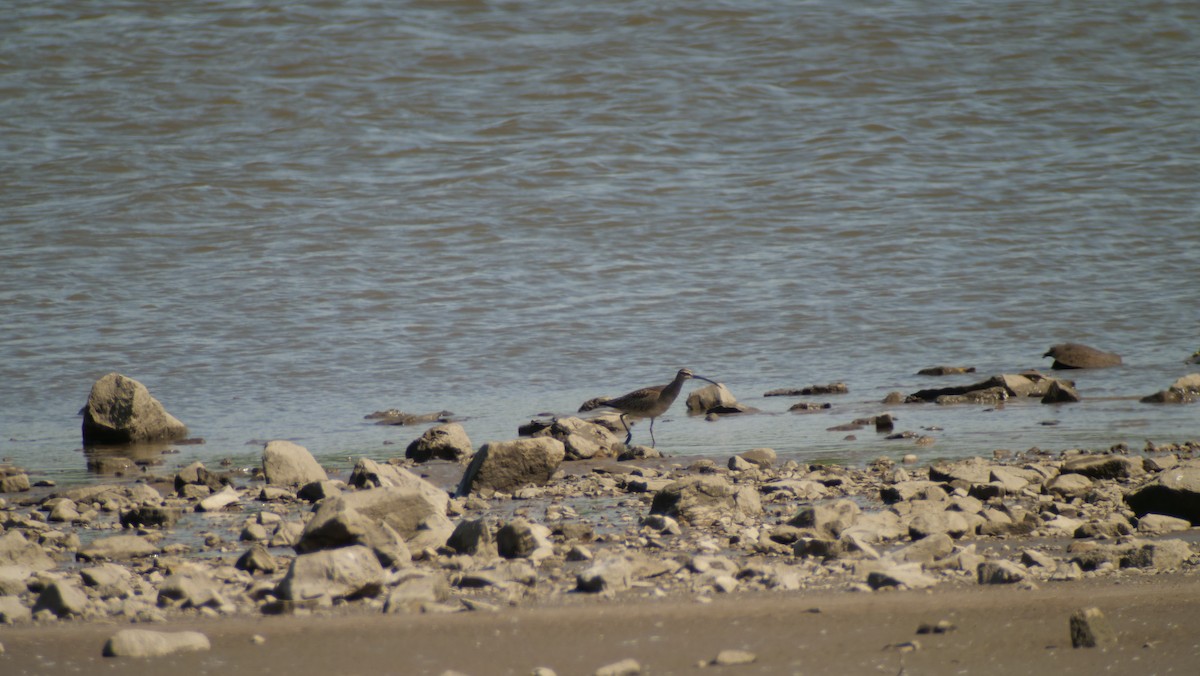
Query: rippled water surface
point(283, 216)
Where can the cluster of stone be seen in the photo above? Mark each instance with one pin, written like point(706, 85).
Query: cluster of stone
point(521, 524)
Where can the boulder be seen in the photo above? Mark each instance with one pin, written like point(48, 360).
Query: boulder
point(108, 579)
point(147, 643)
point(828, 519)
point(1174, 492)
point(1158, 524)
point(610, 575)
point(120, 410)
point(288, 464)
point(12, 611)
point(1069, 486)
point(15, 550)
point(1077, 356)
point(1105, 466)
point(118, 548)
point(14, 579)
point(1160, 555)
point(62, 598)
point(404, 510)
point(474, 537)
point(520, 539)
point(506, 466)
point(703, 499)
point(14, 483)
point(932, 522)
point(219, 500)
point(714, 399)
point(415, 590)
point(902, 575)
point(346, 527)
point(196, 474)
point(349, 572)
point(257, 560)
point(582, 439)
point(192, 589)
point(764, 458)
point(1000, 572)
point(442, 442)
point(1060, 392)
point(150, 516)
point(1090, 629)
point(370, 474)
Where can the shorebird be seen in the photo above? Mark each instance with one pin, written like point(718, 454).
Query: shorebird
point(650, 402)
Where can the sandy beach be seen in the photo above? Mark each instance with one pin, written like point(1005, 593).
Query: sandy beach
point(996, 631)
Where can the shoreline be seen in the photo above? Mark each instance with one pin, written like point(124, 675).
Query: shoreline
point(647, 559)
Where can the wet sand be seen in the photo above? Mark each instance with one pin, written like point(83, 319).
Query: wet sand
point(998, 630)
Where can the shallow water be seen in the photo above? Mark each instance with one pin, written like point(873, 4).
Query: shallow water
point(283, 217)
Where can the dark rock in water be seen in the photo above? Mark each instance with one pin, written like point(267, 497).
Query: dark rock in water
point(946, 370)
point(809, 407)
point(196, 474)
point(1186, 390)
point(443, 442)
point(394, 416)
point(120, 410)
point(1077, 356)
point(114, 465)
point(831, 388)
point(1060, 392)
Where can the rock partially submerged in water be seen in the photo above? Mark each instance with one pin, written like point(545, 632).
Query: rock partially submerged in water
point(1078, 356)
point(394, 416)
point(811, 390)
point(945, 370)
point(121, 411)
point(443, 442)
point(1186, 390)
point(991, 391)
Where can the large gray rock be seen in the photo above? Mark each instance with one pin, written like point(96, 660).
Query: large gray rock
point(1105, 466)
point(14, 579)
point(828, 519)
point(118, 548)
point(1175, 492)
point(714, 399)
point(582, 439)
point(370, 474)
point(62, 598)
point(1160, 554)
point(443, 442)
point(506, 466)
point(520, 539)
point(15, 550)
point(703, 499)
point(1077, 356)
point(108, 579)
point(12, 611)
point(474, 537)
point(610, 575)
point(120, 410)
point(405, 510)
point(415, 590)
point(288, 464)
point(147, 643)
point(349, 572)
point(193, 589)
point(346, 527)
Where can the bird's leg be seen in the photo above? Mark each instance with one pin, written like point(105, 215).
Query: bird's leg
point(652, 443)
point(628, 432)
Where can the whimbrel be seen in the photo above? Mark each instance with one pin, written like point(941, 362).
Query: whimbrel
point(650, 402)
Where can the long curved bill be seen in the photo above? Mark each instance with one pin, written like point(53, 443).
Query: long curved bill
point(707, 380)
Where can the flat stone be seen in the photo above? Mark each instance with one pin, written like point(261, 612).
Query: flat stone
point(147, 643)
point(729, 658)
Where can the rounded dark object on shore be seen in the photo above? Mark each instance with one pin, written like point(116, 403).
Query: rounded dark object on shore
point(1079, 356)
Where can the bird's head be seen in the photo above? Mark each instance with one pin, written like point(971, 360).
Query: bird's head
point(686, 374)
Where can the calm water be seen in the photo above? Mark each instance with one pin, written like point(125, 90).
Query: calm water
point(283, 216)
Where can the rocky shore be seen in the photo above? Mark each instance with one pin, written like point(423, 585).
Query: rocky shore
point(568, 516)
point(385, 539)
